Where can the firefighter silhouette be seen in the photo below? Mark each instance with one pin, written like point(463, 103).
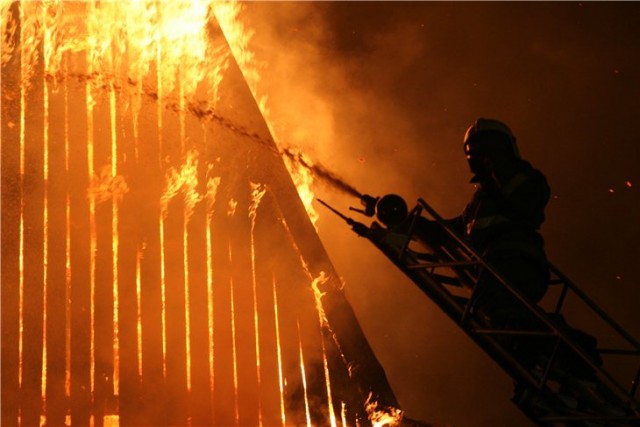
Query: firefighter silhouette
point(502, 222)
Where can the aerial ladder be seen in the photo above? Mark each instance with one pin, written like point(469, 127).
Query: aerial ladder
point(547, 391)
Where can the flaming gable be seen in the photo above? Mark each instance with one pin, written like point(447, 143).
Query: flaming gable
point(158, 265)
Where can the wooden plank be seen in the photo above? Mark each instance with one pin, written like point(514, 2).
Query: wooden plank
point(270, 397)
point(200, 395)
point(33, 198)
point(79, 249)
point(288, 275)
point(248, 391)
point(224, 391)
point(151, 179)
point(176, 379)
point(104, 272)
point(10, 228)
point(126, 166)
point(56, 402)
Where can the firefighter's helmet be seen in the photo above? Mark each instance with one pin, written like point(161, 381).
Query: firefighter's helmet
point(488, 135)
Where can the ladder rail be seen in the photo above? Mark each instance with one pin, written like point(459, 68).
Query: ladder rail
point(626, 394)
point(487, 341)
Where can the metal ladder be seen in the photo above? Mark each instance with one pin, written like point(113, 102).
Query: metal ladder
point(546, 393)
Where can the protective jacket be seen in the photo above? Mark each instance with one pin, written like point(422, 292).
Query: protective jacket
point(507, 210)
point(502, 222)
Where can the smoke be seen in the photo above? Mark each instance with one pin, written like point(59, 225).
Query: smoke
point(320, 172)
point(336, 119)
point(320, 111)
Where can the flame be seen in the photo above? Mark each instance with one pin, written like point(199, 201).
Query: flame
point(183, 180)
point(279, 353)
point(257, 193)
point(163, 297)
point(322, 317)
point(304, 378)
point(8, 26)
point(239, 37)
point(46, 47)
point(233, 204)
point(234, 349)
point(135, 49)
point(210, 197)
point(343, 414)
point(106, 186)
point(389, 416)
point(303, 181)
point(139, 255)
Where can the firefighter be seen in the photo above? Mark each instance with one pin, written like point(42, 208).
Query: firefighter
point(502, 222)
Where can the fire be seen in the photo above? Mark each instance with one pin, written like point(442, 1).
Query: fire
point(236, 409)
point(391, 417)
point(210, 197)
point(105, 186)
point(128, 68)
point(239, 37)
point(8, 26)
point(257, 193)
point(183, 180)
point(304, 379)
point(281, 381)
point(303, 180)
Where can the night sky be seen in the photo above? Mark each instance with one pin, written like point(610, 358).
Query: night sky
point(381, 94)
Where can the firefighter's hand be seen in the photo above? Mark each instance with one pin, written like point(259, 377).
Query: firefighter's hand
point(360, 229)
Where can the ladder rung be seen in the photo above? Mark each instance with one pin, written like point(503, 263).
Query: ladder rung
point(511, 332)
point(442, 264)
point(448, 280)
point(619, 351)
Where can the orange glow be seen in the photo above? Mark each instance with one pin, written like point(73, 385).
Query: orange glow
point(239, 36)
point(184, 180)
point(236, 409)
point(279, 351)
point(115, 245)
point(26, 28)
point(139, 309)
point(129, 58)
point(92, 215)
point(46, 47)
point(303, 181)
point(163, 298)
point(257, 192)
point(321, 279)
point(304, 378)
point(67, 287)
point(212, 189)
point(390, 417)
point(343, 414)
